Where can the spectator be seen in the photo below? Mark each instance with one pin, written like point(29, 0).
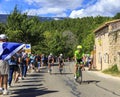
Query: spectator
point(4, 69)
point(24, 65)
point(13, 68)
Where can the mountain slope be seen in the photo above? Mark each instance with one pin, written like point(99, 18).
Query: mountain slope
point(3, 18)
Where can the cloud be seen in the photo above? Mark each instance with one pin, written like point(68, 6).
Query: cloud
point(44, 11)
point(55, 7)
point(71, 4)
point(102, 7)
point(2, 12)
point(63, 8)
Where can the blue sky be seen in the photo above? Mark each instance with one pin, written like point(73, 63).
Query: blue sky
point(62, 8)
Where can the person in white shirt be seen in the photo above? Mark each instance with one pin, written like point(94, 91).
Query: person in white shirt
point(4, 70)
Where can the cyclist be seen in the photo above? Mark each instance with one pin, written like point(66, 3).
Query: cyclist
point(78, 58)
point(50, 61)
point(61, 61)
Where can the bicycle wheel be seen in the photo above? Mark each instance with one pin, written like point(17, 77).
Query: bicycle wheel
point(77, 74)
point(60, 69)
point(80, 75)
point(49, 70)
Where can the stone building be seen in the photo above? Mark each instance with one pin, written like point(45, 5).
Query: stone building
point(107, 45)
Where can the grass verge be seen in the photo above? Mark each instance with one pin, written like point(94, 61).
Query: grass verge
point(112, 71)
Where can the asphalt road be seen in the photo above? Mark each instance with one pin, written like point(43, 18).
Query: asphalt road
point(43, 84)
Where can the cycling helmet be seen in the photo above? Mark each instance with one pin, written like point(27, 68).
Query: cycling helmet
point(61, 54)
point(79, 47)
point(51, 54)
point(3, 36)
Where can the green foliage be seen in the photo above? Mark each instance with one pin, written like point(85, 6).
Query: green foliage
point(113, 70)
point(117, 16)
point(2, 28)
point(88, 42)
point(54, 42)
point(21, 28)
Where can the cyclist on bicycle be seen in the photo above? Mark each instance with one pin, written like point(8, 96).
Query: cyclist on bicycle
point(61, 61)
point(50, 61)
point(78, 58)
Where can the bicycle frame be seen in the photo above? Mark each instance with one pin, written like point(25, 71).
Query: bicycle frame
point(61, 67)
point(79, 74)
point(50, 69)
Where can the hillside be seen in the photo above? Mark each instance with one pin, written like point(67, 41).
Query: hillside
point(3, 18)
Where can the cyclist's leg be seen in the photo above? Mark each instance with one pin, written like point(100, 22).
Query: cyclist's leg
point(76, 67)
point(62, 64)
point(59, 65)
point(63, 69)
point(83, 67)
point(80, 71)
point(82, 64)
point(49, 66)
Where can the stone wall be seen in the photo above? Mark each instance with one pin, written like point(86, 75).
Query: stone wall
point(102, 48)
point(115, 25)
point(107, 41)
point(114, 47)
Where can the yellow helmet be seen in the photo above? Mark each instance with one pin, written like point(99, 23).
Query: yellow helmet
point(79, 47)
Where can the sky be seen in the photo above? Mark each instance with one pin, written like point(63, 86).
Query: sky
point(62, 8)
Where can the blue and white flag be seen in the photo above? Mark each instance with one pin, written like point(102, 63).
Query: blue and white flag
point(7, 49)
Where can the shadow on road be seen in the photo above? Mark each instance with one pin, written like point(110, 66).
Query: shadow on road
point(89, 82)
point(32, 92)
point(31, 86)
point(92, 81)
point(61, 73)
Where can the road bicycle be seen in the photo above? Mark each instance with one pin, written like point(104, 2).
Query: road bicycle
point(61, 67)
point(79, 73)
point(50, 69)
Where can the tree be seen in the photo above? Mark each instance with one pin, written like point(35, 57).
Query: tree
point(117, 16)
point(88, 43)
point(70, 43)
point(2, 28)
point(21, 28)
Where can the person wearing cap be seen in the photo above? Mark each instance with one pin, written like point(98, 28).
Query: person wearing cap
point(78, 55)
point(4, 70)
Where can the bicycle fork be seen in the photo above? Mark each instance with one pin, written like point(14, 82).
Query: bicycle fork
point(79, 75)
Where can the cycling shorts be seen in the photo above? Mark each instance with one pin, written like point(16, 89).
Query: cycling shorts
point(79, 61)
point(61, 63)
point(50, 61)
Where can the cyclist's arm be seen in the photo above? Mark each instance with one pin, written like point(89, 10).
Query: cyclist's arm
point(75, 58)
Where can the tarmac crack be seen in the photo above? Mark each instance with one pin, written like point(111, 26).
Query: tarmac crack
point(73, 86)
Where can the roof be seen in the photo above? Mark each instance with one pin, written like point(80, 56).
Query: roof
point(106, 24)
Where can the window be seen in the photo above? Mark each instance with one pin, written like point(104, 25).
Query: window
point(106, 58)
